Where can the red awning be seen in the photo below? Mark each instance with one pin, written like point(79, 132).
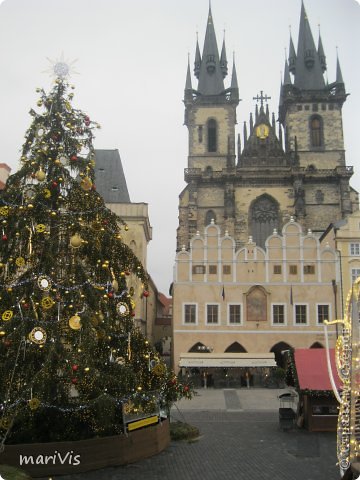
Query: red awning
point(312, 370)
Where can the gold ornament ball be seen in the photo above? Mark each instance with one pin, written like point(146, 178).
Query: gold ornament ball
point(40, 175)
point(76, 241)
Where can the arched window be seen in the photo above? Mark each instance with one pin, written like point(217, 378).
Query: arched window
point(210, 215)
point(235, 347)
point(316, 131)
point(263, 219)
point(279, 350)
point(212, 135)
point(199, 347)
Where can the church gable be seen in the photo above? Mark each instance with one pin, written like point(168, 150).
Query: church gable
point(262, 147)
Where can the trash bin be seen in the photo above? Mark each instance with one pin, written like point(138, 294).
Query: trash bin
point(286, 411)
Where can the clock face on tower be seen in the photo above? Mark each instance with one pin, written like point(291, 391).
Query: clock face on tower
point(262, 131)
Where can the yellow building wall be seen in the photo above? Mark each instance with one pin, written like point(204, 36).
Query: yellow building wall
point(253, 285)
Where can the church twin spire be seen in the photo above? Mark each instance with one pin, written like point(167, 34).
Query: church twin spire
point(308, 64)
point(210, 68)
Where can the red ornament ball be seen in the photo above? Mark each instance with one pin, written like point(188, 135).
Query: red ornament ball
point(54, 184)
point(145, 293)
point(75, 367)
point(4, 237)
point(110, 294)
point(73, 158)
point(74, 380)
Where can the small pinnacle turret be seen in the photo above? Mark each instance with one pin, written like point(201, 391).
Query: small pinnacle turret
point(321, 55)
point(223, 60)
point(197, 62)
point(292, 56)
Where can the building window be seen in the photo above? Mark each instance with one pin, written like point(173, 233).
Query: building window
point(235, 314)
point(210, 215)
point(293, 269)
point(299, 107)
point(213, 269)
point(277, 269)
point(315, 107)
point(227, 269)
point(355, 273)
point(323, 313)
point(309, 269)
point(355, 249)
point(212, 134)
point(200, 133)
point(190, 313)
point(212, 313)
point(278, 314)
point(198, 269)
point(264, 218)
point(316, 131)
point(300, 314)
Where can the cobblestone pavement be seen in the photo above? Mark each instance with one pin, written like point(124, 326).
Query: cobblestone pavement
point(234, 443)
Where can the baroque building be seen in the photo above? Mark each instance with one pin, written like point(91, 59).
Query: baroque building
point(296, 169)
point(258, 270)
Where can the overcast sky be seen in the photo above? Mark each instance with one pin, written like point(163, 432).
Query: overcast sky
point(132, 59)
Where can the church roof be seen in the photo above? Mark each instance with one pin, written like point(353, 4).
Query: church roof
point(210, 73)
point(308, 68)
point(109, 177)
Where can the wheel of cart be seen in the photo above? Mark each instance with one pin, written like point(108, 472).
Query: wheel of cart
point(286, 410)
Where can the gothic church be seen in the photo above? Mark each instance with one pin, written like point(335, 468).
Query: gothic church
point(258, 269)
point(296, 169)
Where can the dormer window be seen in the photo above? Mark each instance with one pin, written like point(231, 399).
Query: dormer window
point(210, 63)
point(309, 58)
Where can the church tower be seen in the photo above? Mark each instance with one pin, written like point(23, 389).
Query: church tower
point(210, 116)
point(293, 168)
point(310, 112)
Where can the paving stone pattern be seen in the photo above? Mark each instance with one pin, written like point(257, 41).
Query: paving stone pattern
point(234, 445)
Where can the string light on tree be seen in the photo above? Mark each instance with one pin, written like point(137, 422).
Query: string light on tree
point(69, 350)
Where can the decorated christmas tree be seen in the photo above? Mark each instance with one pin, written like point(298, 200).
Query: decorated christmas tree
point(71, 360)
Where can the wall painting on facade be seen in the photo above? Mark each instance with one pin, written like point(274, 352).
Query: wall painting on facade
point(256, 309)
